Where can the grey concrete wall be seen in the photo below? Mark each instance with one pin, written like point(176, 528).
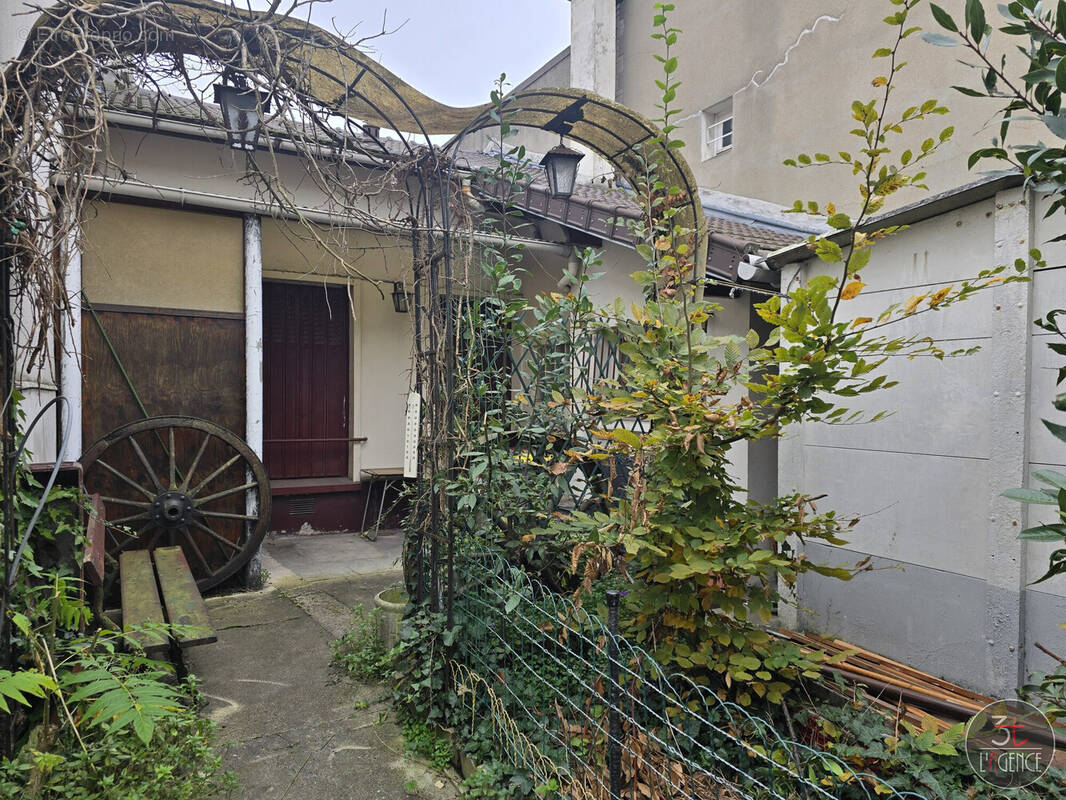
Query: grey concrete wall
point(931, 618)
point(1045, 613)
point(927, 482)
point(927, 617)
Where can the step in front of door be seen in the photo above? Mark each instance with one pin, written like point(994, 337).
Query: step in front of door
point(318, 512)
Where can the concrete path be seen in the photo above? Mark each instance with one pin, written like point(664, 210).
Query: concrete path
point(290, 727)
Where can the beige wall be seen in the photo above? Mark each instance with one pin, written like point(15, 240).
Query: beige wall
point(384, 350)
point(142, 256)
point(793, 69)
point(299, 251)
point(544, 270)
point(198, 166)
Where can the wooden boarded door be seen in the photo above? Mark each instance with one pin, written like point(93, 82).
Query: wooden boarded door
point(305, 383)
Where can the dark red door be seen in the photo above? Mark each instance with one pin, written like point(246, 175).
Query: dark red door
point(305, 363)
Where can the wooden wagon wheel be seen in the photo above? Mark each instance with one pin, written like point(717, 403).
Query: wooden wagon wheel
point(184, 481)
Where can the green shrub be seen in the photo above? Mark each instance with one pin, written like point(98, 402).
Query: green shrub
point(116, 764)
point(909, 757)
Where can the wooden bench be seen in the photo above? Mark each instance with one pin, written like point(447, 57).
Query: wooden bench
point(157, 587)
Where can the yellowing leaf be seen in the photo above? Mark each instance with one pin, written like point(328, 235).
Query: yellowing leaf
point(852, 290)
point(913, 302)
point(938, 296)
point(861, 321)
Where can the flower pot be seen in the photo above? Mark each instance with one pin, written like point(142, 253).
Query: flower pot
point(392, 602)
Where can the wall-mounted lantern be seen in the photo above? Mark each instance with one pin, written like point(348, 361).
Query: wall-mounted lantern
point(560, 164)
point(401, 300)
point(240, 111)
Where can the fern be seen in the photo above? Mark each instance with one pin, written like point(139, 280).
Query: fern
point(122, 699)
point(16, 685)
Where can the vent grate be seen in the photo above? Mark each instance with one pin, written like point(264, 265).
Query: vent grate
point(302, 506)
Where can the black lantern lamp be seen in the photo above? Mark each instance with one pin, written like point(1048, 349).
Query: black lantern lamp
point(240, 111)
point(400, 298)
point(560, 164)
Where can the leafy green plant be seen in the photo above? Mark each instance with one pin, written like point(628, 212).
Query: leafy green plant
point(428, 743)
point(1031, 93)
point(491, 781)
point(16, 685)
point(94, 717)
point(422, 689)
point(919, 757)
point(1047, 691)
point(709, 563)
point(92, 676)
point(360, 653)
point(114, 763)
point(120, 690)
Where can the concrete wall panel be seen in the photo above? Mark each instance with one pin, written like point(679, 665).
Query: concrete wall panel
point(889, 611)
point(1045, 614)
point(938, 408)
point(1044, 448)
point(948, 248)
point(1049, 291)
point(925, 510)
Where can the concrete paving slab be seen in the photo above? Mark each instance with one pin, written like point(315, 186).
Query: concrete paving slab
point(317, 556)
point(290, 727)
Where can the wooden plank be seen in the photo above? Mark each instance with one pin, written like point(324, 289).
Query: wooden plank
point(93, 562)
point(140, 598)
point(180, 365)
point(183, 602)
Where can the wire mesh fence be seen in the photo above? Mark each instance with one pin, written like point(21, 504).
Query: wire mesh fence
point(591, 716)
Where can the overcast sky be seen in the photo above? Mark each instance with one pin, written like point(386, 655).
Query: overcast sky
point(453, 50)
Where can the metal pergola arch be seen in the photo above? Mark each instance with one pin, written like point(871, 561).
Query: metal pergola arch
point(343, 81)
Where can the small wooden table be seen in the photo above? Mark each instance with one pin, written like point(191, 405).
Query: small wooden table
point(386, 477)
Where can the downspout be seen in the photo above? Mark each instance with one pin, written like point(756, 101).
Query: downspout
point(70, 362)
point(253, 363)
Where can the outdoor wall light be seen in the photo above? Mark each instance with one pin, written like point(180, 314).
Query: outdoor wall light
point(400, 298)
point(240, 112)
point(560, 164)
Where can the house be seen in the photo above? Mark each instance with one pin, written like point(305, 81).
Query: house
point(194, 290)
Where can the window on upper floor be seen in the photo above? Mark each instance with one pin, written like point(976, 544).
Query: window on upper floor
point(717, 128)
